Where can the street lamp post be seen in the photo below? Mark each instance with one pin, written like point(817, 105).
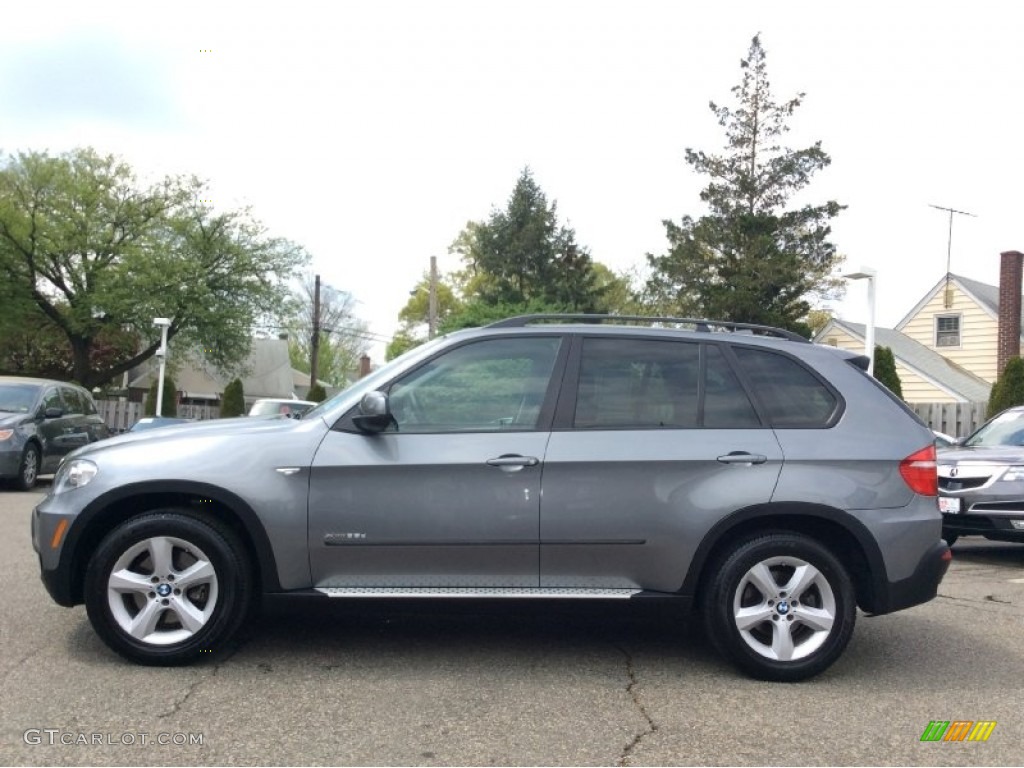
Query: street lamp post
point(869, 274)
point(161, 353)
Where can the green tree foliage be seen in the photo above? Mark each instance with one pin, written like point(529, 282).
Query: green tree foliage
point(317, 393)
point(885, 370)
point(1008, 390)
point(751, 258)
point(343, 336)
point(97, 253)
point(232, 403)
point(401, 343)
point(522, 254)
point(170, 398)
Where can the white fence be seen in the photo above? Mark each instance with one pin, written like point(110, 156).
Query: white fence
point(956, 419)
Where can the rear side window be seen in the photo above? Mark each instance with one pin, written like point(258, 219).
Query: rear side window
point(792, 396)
point(726, 405)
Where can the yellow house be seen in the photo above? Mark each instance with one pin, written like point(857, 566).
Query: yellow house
point(946, 346)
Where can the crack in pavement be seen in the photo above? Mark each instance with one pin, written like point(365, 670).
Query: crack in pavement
point(631, 689)
point(176, 706)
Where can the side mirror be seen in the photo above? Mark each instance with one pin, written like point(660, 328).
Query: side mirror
point(374, 413)
point(53, 413)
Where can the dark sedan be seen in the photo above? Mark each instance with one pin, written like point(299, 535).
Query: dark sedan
point(981, 481)
point(41, 421)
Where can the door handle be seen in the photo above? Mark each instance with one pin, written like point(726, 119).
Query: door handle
point(514, 461)
point(742, 457)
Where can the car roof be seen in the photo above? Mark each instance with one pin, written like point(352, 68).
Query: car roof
point(34, 381)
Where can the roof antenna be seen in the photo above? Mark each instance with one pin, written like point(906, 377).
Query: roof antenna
point(947, 299)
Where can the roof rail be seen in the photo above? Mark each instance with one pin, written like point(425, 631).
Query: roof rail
point(707, 326)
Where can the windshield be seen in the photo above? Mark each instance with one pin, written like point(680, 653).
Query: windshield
point(1005, 429)
point(17, 398)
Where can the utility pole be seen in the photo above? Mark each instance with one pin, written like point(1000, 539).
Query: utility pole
point(948, 298)
point(315, 341)
point(432, 316)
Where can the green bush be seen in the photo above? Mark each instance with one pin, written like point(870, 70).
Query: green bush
point(317, 393)
point(885, 370)
point(170, 402)
point(1008, 390)
point(233, 401)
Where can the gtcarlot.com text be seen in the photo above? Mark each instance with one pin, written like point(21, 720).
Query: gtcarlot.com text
point(52, 737)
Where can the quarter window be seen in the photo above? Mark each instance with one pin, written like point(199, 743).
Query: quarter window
point(947, 331)
point(792, 395)
point(492, 385)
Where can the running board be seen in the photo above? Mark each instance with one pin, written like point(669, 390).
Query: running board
point(480, 592)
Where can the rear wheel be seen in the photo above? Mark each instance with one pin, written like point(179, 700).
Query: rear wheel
point(167, 587)
point(780, 606)
point(28, 470)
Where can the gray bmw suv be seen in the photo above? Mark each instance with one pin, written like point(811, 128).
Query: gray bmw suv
point(766, 482)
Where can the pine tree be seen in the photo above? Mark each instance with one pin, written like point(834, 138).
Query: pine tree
point(170, 399)
point(751, 259)
point(1008, 390)
point(885, 370)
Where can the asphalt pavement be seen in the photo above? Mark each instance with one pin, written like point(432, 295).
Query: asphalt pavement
point(508, 683)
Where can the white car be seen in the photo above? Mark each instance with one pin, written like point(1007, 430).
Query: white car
point(293, 409)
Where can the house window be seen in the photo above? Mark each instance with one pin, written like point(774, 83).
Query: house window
point(947, 331)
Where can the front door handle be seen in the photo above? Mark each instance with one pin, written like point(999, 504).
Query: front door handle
point(513, 462)
point(742, 457)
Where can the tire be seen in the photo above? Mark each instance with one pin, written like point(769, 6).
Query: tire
point(134, 598)
point(780, 606)
point(28, 469)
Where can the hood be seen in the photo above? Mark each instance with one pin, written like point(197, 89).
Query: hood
point(998, 454)
point(8, 419)
point(243, 427)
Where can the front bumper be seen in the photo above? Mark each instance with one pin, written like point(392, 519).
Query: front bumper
point(10, 459)
point(55, 566)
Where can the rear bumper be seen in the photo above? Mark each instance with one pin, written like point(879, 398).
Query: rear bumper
point(919, 587)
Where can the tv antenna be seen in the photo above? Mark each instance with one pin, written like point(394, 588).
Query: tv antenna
point(949, 241)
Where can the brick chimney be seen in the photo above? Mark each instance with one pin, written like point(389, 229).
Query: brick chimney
point(364, 361)
point(1011, 268)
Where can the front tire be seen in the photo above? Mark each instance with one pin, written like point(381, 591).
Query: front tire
point(28, 469)
point(780, 606)
point(168, 587)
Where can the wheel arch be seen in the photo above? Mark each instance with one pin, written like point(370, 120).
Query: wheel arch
point(845, 536)
point(108, 511)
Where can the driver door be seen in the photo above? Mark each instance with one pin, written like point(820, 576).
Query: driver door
point(449, 495)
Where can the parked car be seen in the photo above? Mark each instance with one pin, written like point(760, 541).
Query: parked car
point(981, 481)
point(156, 422)
point(768, 483)
point(270, 406)
point(41, 421)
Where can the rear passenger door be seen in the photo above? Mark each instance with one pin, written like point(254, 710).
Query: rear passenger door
point(655, 441)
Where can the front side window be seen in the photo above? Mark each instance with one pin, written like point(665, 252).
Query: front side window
point(72, 401)
point(947, 331)
point(52, 400)
point(490, 385)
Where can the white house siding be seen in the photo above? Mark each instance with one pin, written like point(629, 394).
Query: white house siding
point(915, 389)
point(978, 332)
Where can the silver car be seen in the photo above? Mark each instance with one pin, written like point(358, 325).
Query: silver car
point(981, 481)
point(768, 483)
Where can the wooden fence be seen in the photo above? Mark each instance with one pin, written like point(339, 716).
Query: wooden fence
point(956, 419)
point(119, 415)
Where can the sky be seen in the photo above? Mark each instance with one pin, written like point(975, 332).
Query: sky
point(372, 132)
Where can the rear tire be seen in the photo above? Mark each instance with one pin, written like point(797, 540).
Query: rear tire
point(780, 606)
point(28, 469)
point(168, 587)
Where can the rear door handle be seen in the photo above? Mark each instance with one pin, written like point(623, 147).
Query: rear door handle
point(742, 457)
point(514, 461)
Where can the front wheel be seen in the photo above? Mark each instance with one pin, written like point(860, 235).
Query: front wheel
point(28, 469)
point(168, 586)
point(780, 606)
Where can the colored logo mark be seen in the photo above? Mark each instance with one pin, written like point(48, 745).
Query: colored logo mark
point(958, 730)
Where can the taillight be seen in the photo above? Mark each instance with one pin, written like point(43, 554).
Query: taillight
point(919, 472)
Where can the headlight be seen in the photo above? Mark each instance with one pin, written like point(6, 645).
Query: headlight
point(1013, 474)
point(5, 434)
point(73, 474)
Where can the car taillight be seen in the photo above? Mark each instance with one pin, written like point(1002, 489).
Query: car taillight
point(919, 472)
